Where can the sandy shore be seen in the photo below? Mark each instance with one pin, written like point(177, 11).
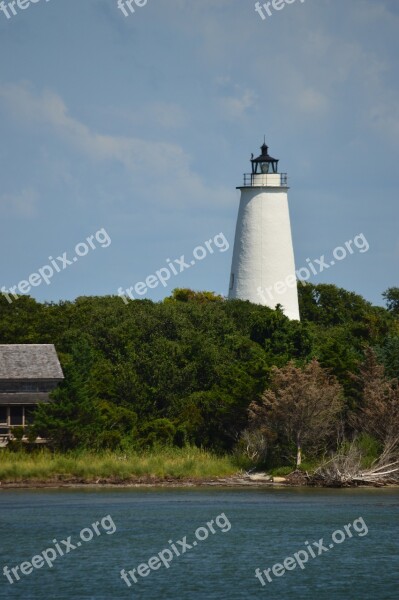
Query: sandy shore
point(238, 481)
point(149, 481)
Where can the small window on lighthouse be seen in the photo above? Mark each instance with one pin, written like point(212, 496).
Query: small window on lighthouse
point(231, 281)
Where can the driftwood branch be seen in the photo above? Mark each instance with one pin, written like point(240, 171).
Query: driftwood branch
point(345, 468)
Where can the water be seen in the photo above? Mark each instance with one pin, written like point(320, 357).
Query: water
point(267, 526)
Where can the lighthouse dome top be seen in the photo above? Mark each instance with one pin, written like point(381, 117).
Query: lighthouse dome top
point(264, 163)
point(265, 155)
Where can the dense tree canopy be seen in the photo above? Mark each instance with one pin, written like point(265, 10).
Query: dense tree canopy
point(187, 369)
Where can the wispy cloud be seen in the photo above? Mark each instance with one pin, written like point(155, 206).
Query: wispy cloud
point(237, 106)
point(21, 204)
point(49, 108)
point(138, 156)
point(312, 101)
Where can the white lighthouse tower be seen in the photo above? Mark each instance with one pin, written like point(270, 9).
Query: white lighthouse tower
point(263, 266)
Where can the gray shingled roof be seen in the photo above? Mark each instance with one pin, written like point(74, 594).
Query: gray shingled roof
point(29, 361)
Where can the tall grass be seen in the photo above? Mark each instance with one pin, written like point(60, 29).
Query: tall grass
point(162, 463)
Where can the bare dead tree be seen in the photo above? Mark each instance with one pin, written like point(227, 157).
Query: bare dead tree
point(256, 444)
point(301, 406)
point(378, 416)
point(379, 412)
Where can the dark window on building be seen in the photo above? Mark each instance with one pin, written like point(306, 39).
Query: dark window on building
point(30, 387)
point(3, 414)
point(27, 386)
point(16, 415)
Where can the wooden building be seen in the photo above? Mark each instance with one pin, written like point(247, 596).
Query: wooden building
point(28, 373)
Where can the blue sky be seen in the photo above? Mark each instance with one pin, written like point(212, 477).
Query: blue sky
point(143, 126)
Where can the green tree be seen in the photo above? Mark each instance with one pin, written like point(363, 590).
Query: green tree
point(391, 296)
point(388, 355)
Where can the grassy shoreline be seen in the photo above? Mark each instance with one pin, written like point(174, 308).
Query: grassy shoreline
point(173, 467)
point(119, 467)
